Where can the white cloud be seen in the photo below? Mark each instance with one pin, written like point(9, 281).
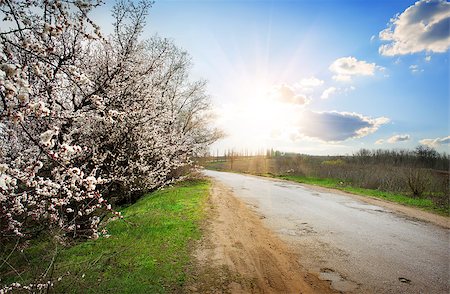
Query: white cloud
point(338, 126)
point(311, 82)
point(346, 67)
point(428, 58)
point(398, 138)
point(372, 38)
point(379, 142)
point(342, 78)
point(435, 142)
point(423, 26)
point(328, 92)
point(286, 94)
point(415, 68)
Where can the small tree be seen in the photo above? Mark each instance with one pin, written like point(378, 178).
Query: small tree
point(418, 181)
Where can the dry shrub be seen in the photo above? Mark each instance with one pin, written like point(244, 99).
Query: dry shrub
point(418, 181)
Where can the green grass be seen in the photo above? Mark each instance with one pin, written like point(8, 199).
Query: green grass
point(149, 252)
point(423, 203)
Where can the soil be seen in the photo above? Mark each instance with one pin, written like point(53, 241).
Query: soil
point(239, 255)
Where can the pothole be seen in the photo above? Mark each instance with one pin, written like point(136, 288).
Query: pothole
point(404, 280)
point(337, 281)
point(288, 232)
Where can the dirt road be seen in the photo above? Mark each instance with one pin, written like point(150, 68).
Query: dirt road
point(359, 246)
point(239, 255)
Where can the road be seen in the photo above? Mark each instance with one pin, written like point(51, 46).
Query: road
point(359, 247)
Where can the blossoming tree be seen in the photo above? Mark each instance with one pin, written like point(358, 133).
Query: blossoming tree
point(83, 116)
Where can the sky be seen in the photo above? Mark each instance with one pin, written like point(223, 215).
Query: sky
point(317, 77)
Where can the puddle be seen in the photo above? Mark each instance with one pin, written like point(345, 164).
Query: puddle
point(337, 281)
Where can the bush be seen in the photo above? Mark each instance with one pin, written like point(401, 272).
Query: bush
point(418, 181)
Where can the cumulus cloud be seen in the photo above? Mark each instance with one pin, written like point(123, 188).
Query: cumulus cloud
point(328, 92)
point(435, 142)
point(423, 26)
point(399, 138)
point(338, 126)
point(311, 82)
point(379, 142)
point(286, 94)
point(346, 67)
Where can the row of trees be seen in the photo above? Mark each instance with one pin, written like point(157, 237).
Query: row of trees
point(421, 156)
point(85, 118)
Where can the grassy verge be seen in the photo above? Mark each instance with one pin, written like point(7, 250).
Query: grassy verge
point(422, 203)
point(149, 252)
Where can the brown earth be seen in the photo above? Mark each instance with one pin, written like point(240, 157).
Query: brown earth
point(239, 255)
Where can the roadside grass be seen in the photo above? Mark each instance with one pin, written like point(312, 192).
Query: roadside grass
point(148, 252)
point(422, 203)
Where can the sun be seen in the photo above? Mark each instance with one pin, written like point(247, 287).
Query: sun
point(255, 115)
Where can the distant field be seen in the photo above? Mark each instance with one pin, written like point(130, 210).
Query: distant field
point(149, 252)
point(383, 181)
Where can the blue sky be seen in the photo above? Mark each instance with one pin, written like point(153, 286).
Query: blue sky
point(317, 77)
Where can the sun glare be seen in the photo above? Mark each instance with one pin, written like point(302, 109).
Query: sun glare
point(257, 116)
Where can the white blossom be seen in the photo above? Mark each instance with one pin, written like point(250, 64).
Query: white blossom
point(9, 69)
point(47, 137)
point(91, 182)
point(3, 168)
point(67, 131)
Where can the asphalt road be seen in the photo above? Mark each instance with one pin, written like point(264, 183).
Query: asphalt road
point(359, 247)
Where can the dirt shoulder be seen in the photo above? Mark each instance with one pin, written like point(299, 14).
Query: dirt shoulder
point(239, 255)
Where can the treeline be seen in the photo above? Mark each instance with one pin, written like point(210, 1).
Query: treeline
point(422, 156)
point(419, 173)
